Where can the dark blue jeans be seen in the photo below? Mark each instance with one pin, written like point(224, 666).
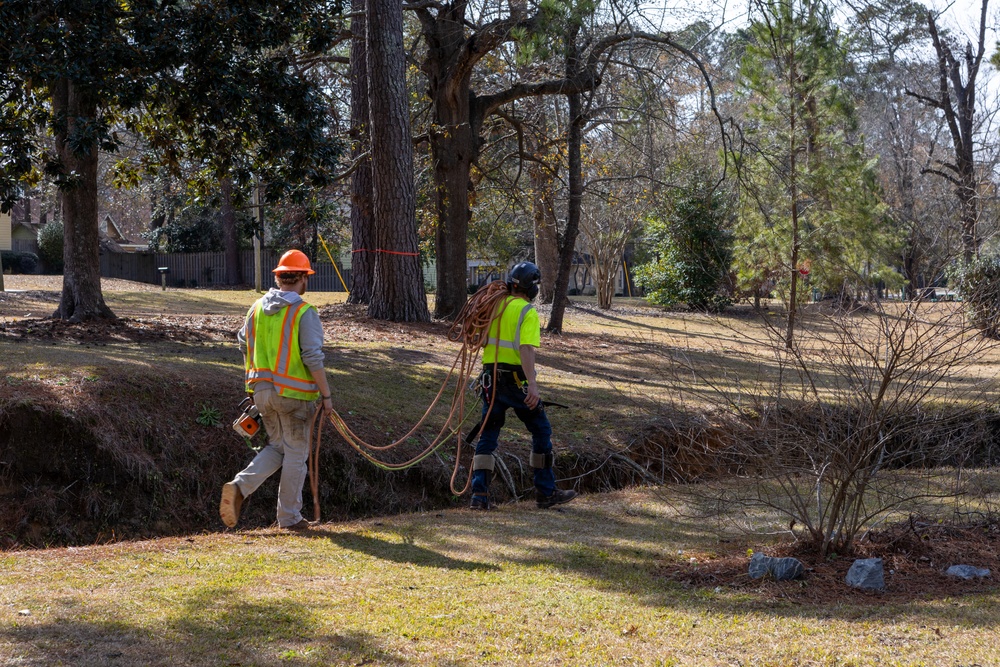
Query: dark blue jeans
point(510, 395)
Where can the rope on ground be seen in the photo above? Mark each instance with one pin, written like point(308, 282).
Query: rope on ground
point(471, 328)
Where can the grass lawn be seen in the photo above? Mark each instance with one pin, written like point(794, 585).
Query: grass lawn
point(589, 585)
point(625, 578)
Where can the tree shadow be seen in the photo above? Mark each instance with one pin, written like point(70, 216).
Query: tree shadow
point(212, 627)
point(627, 551)
point(406, 552)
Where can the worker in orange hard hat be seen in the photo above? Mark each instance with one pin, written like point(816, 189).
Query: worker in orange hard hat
point(282, 344)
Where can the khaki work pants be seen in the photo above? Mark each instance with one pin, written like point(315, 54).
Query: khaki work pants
point(287, 421)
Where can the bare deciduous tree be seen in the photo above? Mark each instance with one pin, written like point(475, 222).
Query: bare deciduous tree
point(857, 421)
point(955, 98)
point(610, 219)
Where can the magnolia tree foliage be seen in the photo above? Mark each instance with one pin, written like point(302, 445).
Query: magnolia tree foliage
point(50, 246)
point(979, 284)
point(211, 80)
point(694, 251)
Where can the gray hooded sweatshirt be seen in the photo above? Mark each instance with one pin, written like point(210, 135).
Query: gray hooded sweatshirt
point(310, 328)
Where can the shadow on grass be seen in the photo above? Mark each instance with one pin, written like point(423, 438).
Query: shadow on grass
point(625, 550)
point(405, 552)
point(212, 628)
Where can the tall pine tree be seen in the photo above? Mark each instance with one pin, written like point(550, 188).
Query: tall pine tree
point(808, 195)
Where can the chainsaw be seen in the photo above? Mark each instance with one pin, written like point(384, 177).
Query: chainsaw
point(249, 422)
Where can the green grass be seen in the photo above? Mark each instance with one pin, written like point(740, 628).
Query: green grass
point(514, 587)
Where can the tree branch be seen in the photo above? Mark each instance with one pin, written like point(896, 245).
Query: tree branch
point(423, 4)
point(488, 38)
point(937, 172)
point(490, 103)
point(353, 167)
point(945, 62)
point(929, 101)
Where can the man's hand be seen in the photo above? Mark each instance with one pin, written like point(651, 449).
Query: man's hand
point(533, 399)
point(327, 406)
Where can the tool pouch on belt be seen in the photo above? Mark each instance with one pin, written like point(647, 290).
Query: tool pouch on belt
point(510, 375)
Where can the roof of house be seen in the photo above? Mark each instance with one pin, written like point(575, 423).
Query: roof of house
point(109, 228)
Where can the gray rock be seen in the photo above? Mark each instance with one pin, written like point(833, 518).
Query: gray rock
point(780, 569)
point(866, 573)
point(759, 565)
point(967, 572)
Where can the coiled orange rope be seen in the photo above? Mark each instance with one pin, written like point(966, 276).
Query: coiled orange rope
point(471, 328)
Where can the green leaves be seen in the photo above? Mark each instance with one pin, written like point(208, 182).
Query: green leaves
point(807, 190)
point(213, 82)
point(694, 248)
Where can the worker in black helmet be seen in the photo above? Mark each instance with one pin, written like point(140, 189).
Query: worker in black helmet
point(509, 356)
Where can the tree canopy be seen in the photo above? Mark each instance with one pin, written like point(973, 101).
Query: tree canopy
point(210, 81)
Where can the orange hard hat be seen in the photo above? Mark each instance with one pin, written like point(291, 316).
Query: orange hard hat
point(294, 261)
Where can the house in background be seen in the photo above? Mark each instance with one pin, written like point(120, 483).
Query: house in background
point(24, 237)
point(5, 232)
point(110, 231)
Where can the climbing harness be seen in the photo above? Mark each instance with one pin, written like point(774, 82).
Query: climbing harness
point(471, 328)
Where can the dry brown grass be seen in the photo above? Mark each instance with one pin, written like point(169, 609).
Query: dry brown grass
point(609, 580)
point(612, 579)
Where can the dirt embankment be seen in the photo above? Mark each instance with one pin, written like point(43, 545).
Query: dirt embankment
point(118, 451)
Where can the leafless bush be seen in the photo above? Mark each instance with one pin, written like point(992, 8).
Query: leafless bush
point(871, 411)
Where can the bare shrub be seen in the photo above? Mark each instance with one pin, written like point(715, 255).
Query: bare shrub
point(610, 219)
point(873, 410)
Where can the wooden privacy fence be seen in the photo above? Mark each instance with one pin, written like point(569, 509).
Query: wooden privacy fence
point(208, 269)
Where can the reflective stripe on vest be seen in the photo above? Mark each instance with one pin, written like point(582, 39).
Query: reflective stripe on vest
point(283, 368)
point(516, 343)
point(504, 345)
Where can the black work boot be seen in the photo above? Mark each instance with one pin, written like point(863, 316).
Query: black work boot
point(558, 497)
point(480, 502)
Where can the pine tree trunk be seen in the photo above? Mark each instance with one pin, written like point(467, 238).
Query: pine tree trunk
point(362, 223)
point(230, 239)
point(454, 144)
point(81, 294)
point(397, 289)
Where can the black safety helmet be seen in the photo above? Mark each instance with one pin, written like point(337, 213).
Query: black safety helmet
point(526, 276)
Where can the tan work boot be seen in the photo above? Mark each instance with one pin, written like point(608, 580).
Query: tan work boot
point(232, 501)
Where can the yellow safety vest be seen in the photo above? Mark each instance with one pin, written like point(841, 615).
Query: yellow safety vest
point(273, 353)
point(504, 342)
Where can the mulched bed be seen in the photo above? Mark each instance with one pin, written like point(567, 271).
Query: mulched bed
point(915, 555)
